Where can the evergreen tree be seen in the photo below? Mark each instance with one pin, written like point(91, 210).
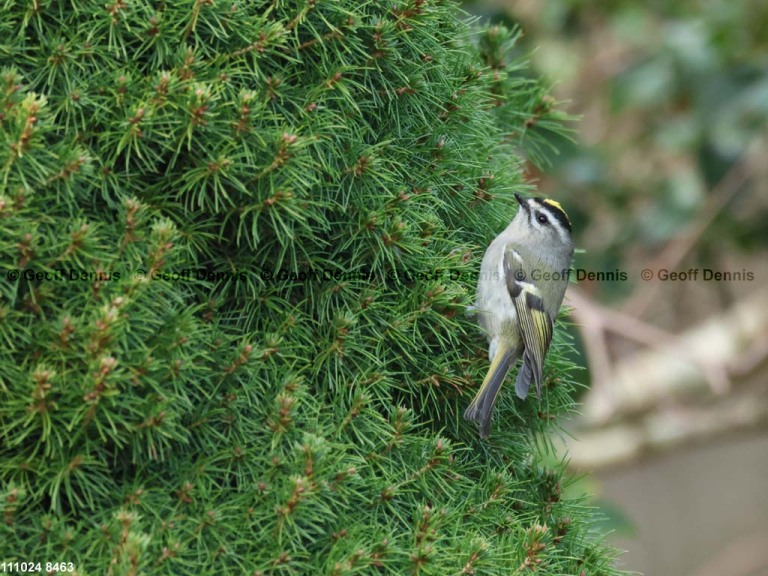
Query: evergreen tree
point(238, 243)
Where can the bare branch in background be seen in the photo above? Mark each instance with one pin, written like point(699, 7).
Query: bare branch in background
point(661, 397)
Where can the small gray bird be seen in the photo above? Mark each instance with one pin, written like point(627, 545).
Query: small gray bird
point(522, 282)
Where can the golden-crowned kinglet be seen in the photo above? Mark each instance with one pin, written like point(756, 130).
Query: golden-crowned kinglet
point(522, 282)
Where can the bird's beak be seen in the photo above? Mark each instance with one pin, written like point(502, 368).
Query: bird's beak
point(521, 200)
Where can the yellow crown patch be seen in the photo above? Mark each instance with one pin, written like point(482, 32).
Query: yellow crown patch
point(555, 204)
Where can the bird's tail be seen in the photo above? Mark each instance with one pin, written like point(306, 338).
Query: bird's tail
point(523, 381)
point(481, 408)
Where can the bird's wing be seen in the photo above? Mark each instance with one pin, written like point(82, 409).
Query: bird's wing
point(535, 324)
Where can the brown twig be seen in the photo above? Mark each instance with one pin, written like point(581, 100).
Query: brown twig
point(596, 321)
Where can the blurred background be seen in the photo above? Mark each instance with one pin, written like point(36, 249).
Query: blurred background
point(666, 183)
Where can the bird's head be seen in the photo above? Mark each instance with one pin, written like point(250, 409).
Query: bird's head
point(544, 222)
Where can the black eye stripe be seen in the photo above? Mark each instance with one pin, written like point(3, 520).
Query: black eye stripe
point(554, 213)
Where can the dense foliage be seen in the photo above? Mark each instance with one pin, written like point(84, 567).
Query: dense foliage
point(237, 246)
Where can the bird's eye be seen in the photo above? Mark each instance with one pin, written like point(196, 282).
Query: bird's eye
point(542, 218)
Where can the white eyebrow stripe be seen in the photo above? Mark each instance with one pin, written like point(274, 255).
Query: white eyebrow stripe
point(536, 205)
